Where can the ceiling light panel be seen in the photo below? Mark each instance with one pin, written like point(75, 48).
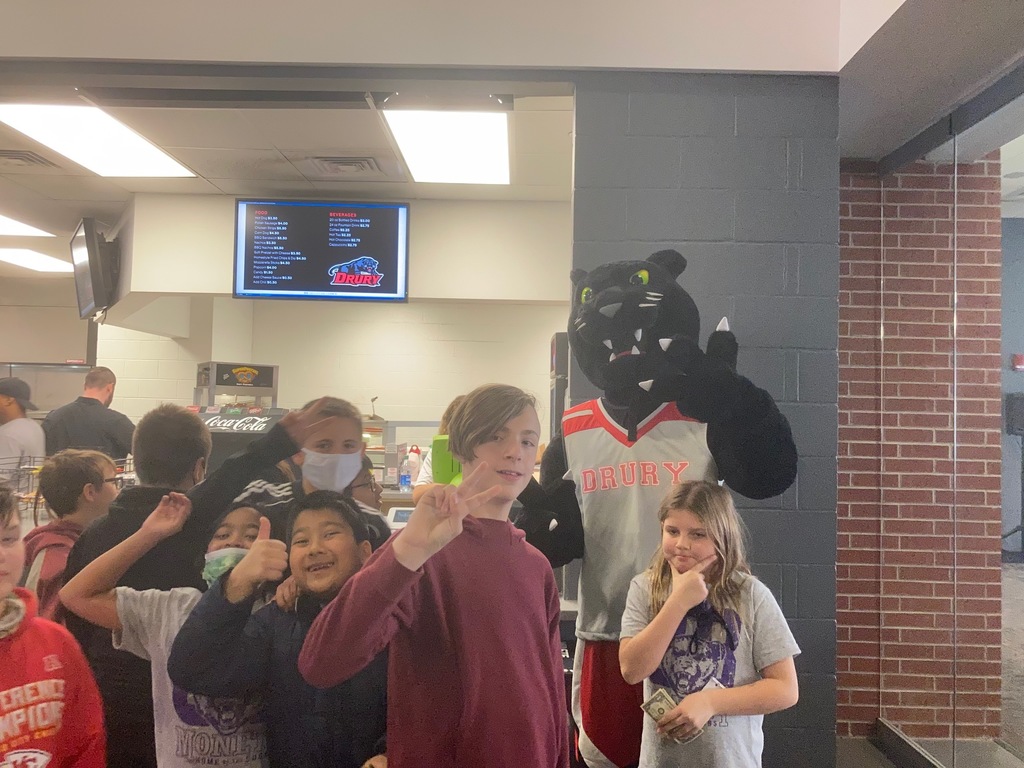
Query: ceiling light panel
point(93, 139)
point(17, 229)
point(444, 147)
point(21, 257)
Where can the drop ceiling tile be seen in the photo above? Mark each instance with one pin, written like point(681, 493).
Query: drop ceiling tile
point(210, 128)
point(186, 186)
point(365, 190)
point(237, 163)
point(84, 188)
point(318, 128)
point(11, 272)
point(250, 188)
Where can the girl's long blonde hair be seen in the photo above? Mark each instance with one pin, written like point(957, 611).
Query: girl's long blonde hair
point(712, 505)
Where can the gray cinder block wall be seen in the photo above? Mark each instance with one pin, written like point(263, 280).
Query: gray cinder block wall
point(741, 174)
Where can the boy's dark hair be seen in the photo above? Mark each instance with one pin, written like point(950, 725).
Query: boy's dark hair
point(168, 442)
point(64, 474)
point(232, 507)
point(367, 466)
point(483, 413)
point(345, 508)
point(8, 506)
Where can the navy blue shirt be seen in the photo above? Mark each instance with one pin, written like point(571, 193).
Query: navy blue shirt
point(224, 649)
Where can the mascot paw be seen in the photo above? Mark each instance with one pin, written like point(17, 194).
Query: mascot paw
point(723, 347)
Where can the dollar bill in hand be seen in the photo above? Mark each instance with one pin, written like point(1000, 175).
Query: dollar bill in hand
point(659, 705)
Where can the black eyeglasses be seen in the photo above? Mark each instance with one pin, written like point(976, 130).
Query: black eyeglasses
point(117, 481)
point(371, 483)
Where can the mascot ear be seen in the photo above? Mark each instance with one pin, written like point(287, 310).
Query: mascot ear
point(579, 275)
point(671, 261)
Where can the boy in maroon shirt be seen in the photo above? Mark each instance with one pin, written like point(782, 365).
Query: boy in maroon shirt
point(469, 609)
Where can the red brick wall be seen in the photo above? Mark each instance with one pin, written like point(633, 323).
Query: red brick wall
point(905, 485)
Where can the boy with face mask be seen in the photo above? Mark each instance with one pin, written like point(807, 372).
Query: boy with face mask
point(331, 458)
point(189, 730)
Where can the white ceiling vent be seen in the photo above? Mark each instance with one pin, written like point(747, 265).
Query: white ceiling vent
point(342, 168)
point(22, 159)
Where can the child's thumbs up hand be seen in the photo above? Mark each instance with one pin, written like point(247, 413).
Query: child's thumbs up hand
point(267, 561)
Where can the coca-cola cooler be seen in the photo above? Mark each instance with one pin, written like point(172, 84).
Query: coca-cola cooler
point(233, 428)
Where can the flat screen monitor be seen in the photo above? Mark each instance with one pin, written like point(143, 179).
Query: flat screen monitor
point(95, 270)
point(300, 249)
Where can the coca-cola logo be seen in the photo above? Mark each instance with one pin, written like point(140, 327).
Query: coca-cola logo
point(244, 424)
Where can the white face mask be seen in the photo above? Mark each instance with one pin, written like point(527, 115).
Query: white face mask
point(330, 471)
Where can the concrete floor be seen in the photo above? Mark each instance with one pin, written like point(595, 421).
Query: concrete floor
point(979, 753)
point(858, 753)
point(1013, 655)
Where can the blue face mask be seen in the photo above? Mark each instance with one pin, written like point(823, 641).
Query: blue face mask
point(220, 562)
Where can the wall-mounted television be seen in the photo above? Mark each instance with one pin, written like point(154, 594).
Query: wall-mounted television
point(302, 249)
point(97, 267)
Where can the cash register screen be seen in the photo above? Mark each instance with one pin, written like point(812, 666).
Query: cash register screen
point(398, 517)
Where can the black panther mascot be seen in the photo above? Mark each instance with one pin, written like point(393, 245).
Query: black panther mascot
point(669, 412)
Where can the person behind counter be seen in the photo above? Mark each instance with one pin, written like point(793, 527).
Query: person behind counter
point(89, 421)
point(21, 438)
point(468, 610)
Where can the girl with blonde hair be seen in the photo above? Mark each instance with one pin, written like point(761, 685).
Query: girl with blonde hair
point(700, 627)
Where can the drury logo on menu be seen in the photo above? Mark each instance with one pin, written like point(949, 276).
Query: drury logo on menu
point(361, 271)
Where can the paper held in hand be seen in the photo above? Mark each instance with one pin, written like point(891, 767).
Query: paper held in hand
point(661, 703)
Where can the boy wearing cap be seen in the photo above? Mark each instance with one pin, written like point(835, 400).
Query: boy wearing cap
point(20, 437)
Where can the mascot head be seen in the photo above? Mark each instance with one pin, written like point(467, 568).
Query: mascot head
point(621, 310)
